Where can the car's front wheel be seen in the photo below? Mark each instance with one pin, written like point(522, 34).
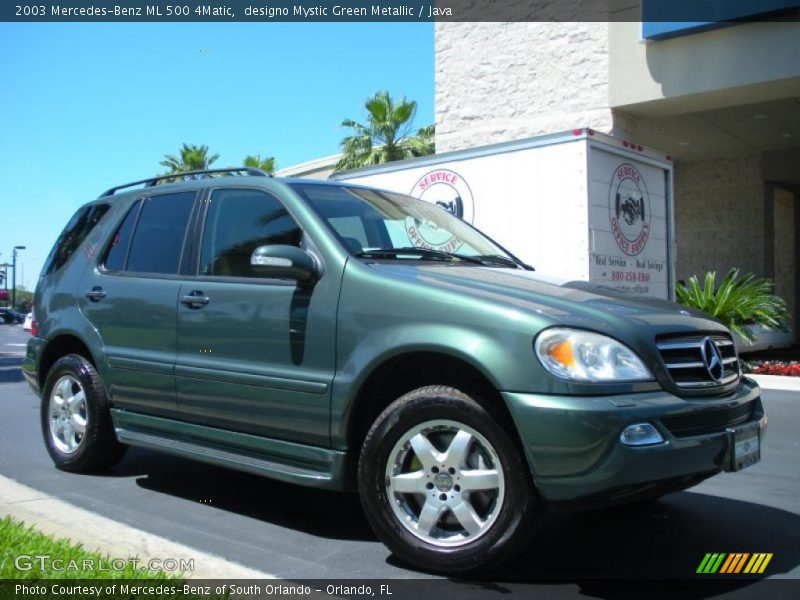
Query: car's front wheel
point(444, 485)
point(76, 423)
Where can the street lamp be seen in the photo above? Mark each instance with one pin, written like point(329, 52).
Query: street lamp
point(14, 277)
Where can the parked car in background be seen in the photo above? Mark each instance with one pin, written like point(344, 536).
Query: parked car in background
point(11, 317)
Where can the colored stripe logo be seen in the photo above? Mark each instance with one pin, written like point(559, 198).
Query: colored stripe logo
point(735, 562)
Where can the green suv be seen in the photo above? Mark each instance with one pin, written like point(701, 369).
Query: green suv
point(349, 338)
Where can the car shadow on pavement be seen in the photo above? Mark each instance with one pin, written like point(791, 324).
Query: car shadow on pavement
point(597, 550)
point(9, 368)
point(625, 550)
point(333, 515)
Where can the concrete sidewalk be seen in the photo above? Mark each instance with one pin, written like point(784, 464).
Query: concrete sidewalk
point(777, 382)
point(55, 517)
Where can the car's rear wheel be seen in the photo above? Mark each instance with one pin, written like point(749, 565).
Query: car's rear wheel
point(76, 423)
point(444, 485)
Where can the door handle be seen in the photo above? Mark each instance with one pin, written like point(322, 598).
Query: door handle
point(96, 294)
point(195, 299)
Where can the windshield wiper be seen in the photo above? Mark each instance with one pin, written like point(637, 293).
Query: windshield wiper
point(414, 251)
point(499, 259)
point(430, 253)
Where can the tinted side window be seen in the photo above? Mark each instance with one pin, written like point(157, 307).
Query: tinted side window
point(238, 222)
point(79, 226)
point(118, 249)
point(158, 239)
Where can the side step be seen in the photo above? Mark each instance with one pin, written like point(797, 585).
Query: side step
point(277, 459)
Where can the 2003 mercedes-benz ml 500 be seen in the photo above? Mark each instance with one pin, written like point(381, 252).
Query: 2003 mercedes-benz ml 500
point(343, 337)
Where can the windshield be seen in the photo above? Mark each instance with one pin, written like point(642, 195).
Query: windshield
point(369, 220)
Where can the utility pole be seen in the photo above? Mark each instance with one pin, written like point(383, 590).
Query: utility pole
point(14, 277)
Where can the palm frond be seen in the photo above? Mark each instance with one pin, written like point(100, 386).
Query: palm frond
point(739, 301)
point(189, 158)
point(386, 136)
point(265, 164)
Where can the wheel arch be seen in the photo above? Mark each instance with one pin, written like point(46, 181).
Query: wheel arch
point(404, 371)
point(62, 344)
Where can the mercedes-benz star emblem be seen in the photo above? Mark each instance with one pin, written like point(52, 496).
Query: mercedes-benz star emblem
point(712, 359)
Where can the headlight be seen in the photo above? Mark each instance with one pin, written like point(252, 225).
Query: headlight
point(584, 356)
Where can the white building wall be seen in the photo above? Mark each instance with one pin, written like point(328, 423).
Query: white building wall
point(719, 216)
point(728, 66)
point(503, 81)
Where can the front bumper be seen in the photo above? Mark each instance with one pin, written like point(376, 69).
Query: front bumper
point(575, 455)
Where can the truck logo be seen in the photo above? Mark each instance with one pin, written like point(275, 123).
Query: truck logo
point(448, 190)
point(631, 209)
point(629, 206)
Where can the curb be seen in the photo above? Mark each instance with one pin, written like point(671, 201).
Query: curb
point(58, 518)
point(777, 382)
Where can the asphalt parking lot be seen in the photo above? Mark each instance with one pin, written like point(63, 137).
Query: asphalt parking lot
point(294, 533)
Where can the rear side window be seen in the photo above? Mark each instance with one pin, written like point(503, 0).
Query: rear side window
point(80, 225)
point(158, 238)
point(118, 249)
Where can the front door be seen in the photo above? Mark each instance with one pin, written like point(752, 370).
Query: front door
point(255, 355)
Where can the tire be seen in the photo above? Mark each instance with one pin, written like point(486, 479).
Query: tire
point(421, 461)
point(77, 429)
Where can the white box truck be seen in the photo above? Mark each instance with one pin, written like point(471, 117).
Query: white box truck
point(578, 205)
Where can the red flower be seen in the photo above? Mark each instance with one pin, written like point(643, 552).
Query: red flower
point(783, 369)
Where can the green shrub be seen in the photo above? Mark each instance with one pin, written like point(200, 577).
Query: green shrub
point(737, 302)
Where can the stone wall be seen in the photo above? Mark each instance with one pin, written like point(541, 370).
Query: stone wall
point(719, 216)
point(497, 82)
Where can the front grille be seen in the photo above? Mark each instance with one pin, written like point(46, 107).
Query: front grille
point(683, 358)
point(708, 421)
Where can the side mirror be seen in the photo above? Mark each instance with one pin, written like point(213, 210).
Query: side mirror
point(284, 262)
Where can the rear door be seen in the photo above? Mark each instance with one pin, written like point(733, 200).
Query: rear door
point(131, 299)
point(254, 354)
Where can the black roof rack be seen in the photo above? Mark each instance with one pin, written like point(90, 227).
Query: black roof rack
point(152, 181)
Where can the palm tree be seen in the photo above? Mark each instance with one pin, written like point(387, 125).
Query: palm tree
point(192, 158)
point(265, 164)
point(387, 135)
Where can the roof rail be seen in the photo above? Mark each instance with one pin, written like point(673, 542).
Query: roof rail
point(152, 181)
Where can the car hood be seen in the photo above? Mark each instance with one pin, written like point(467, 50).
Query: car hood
point(570, 303)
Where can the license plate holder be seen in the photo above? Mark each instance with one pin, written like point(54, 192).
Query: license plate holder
point(744, 446)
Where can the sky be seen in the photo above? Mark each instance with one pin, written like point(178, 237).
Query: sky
point(88, 106)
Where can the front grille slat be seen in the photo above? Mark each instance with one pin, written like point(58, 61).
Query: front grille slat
point(708, 421)
point(683, 358)
point(686, 365)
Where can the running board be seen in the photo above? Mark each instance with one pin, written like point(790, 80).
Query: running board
point(277, 459)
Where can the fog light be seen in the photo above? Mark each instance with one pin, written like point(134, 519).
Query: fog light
point(640, 434)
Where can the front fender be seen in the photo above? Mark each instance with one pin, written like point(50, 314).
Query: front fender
point(486, 354)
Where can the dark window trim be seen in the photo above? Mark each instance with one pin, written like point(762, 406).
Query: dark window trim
point(143, 275)
point(246, 280)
